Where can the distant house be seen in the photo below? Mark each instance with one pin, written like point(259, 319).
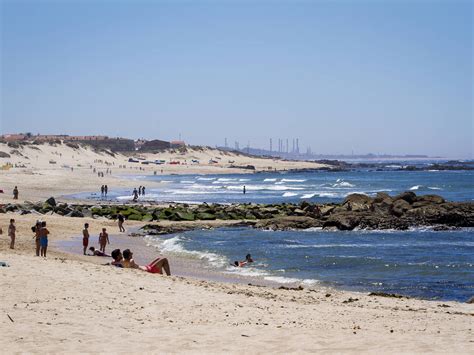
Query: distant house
point(13, 137)
point(86, 138)
point(177, 144)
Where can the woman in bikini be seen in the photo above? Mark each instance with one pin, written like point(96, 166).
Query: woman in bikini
point(155, 267)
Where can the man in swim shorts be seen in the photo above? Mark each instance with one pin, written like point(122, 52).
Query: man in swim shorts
point(85, 237)
point(103, 240)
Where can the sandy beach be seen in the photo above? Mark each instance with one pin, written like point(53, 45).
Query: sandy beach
point(45, 170)
point(72, 303)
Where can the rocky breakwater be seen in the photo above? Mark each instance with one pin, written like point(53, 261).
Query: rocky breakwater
point(356, 211)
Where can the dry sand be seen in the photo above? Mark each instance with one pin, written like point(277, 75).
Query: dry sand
point(71, 303)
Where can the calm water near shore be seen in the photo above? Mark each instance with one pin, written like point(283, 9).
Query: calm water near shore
point(419, 263)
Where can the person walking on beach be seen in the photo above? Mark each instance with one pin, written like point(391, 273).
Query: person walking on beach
point(155, 267)
point(106, 189)
point(43, 239)
point(12, 233)
point(139, 190)
point(121, 219)
point(102, 190)
point(85, 237)
point(103, 240)
point(143, 190)
point(135, 194)
point(15, 193)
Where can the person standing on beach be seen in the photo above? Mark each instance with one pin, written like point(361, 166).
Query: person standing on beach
point(15, 193)
point(135, 194)
point(106, 189)
point(36, 230)
point(121, 219)
point(12, 233)
point(103, 240)
point(139, 190)
point(244, 191)
point(43, 239)
point(143, 190)
point(102, 190)
point(85, 237)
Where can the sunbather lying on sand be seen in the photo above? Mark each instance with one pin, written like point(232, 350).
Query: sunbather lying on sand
point(155, 267)
point(96, 252)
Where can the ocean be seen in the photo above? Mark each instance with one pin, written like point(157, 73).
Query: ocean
point(419, 262)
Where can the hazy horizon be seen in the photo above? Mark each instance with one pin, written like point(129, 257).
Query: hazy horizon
point(364, 77)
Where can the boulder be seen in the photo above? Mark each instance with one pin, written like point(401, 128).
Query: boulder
point(399, 207)
point(51, 201)
point(205, 216)
point(407, 196)
point(382, 197)
point(288, 222)
point(428, 200)
point(326, 209)
point(185, 216)
point(343, 221)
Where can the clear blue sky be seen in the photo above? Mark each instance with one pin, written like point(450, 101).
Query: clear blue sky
point(369, 76)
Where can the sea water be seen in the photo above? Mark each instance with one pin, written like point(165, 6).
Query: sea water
point(419, 263)
point(316, 187)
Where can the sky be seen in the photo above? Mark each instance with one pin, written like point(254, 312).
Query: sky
point(391, 77)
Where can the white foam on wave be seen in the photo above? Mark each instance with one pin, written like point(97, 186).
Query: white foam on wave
point(293, 180)
point(308, 196)
point(416, 187)
point(244, 179)
point(226, 179)
point(290, 280)
point(174, 246)
point(269, 180)
point(187, 182)
point(245, 271)
point(434, 188)
point(205, 179)
point(339, 184)
point(289, 194)
point(264, 187)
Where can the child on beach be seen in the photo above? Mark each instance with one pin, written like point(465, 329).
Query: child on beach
point(96, 252)
point(85, 237)
point(43, 234)
point(103, 240)
point(15, 193)
point(155, 267)
point(12, 233)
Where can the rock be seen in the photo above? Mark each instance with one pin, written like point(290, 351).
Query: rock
point(299, 212)
point(288, 222)
point(428, 200)
point(470, 300)
point(343, 221)
point(205, 216)
point(408, 196)
point(75, 213)
point(326, 209)
point(399, 207)
point(359, 199)
point(382, 196)
point(51, 201)
point(147, 218)
point(135, 217)
point(185, 216)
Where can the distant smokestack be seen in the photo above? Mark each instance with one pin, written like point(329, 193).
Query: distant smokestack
point(287, 146)
point(271, 145)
